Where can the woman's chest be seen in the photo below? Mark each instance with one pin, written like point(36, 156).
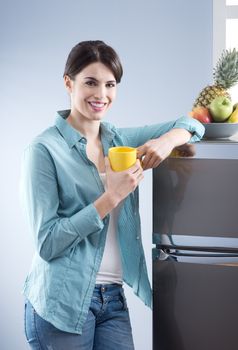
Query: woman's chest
point(95, 154)
point(78, 178)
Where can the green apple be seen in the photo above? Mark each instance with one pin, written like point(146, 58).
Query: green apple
point(221, 108)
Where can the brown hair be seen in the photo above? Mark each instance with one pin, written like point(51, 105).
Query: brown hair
point(87, 52)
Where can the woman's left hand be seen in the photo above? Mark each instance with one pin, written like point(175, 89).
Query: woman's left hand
point(155, 151)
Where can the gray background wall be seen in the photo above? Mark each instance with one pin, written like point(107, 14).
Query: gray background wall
point(166, 50)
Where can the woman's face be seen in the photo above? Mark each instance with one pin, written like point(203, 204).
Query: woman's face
point(92, 91)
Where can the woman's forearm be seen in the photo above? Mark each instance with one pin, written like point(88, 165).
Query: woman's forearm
point(105, 204)
point(178, 136)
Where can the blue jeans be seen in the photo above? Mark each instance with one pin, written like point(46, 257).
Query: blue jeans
point(107, 326)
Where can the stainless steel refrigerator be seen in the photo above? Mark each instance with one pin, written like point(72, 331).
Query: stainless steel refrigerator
point(195, 254)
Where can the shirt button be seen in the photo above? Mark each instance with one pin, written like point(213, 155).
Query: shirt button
point(137, 237)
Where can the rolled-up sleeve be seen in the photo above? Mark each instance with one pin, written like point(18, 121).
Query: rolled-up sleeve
point(137, 136)
point(53, 234)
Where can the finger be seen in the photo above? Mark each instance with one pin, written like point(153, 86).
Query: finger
point(139, 171)
point(134, 168)
point(140, 177)
point(157, 163)
point(151, 163)
point(154, 164)
point(146, 160)
point(138, 180)
point(141, 150)
point(107, 163)
point(140, 163)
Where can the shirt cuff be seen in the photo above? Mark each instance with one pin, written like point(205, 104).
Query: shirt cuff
point(87, 221)
point(193, 126)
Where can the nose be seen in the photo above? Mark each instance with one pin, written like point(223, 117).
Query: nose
point(100, 92)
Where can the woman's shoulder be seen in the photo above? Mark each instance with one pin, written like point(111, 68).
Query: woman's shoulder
point(48, 136)
point(45, 143)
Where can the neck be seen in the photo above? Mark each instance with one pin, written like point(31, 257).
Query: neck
point(88, 128)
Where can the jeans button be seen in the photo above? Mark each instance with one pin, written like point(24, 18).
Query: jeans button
point(103, 289)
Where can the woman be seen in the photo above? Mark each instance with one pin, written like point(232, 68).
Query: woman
point(84, 216)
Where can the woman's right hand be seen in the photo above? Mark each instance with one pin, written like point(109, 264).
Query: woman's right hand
point(121, 183)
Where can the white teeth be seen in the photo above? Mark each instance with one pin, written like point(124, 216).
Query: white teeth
point(96, 104)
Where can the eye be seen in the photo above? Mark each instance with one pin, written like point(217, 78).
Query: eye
point(110, 85)
point(90, 83)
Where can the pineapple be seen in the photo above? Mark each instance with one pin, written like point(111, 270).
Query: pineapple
point(225, 76)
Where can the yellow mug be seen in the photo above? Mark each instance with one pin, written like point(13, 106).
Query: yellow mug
point(122, 157)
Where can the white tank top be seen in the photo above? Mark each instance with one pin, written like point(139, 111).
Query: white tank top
point(110, 270)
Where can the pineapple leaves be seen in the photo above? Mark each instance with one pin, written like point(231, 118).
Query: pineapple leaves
point(226, 71)
point(225, 75)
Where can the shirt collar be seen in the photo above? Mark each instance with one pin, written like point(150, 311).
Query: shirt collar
point(72, 136)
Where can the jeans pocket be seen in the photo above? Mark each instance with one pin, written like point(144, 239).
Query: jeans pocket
point(29, 323)
point(30, 327)
point(123, 299)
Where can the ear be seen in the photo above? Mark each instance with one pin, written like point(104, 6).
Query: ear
point(68, 83)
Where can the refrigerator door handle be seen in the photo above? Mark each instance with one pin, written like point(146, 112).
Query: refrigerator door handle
point(196, 253)
point(195, 257)
point(199, 248)
point(196, 243)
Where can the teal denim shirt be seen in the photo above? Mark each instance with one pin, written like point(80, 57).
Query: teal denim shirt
point(59, 185)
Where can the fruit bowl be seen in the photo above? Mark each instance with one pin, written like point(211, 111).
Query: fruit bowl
point(220, 130)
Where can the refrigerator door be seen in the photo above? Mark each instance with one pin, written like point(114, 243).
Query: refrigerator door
point(195, 300)
point(198, 196)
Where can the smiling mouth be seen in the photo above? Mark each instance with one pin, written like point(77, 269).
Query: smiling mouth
point(97, 106)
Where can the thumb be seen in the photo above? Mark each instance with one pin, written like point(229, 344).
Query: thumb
point(140, 151)
point(107, 163)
